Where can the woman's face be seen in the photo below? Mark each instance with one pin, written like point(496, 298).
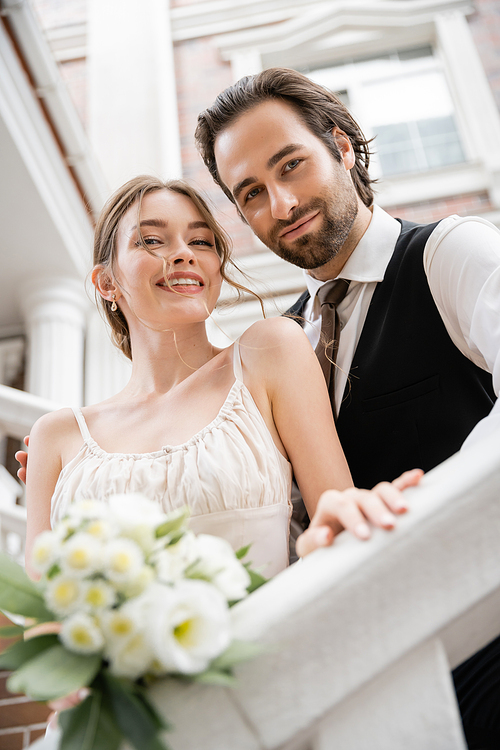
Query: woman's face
point(185, 288)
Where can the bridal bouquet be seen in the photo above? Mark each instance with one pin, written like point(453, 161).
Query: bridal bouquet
point(127, 594)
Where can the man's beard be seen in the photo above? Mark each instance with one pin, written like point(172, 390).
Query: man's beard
point(314, 249)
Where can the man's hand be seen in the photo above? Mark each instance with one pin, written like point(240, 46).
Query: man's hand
point(22, 458)
point(352, 509)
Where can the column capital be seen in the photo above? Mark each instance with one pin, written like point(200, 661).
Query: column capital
point(56, 298)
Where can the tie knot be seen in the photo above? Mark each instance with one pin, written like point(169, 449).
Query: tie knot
point(333, 292)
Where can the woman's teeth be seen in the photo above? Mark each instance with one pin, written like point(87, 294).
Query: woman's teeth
point(181, 282)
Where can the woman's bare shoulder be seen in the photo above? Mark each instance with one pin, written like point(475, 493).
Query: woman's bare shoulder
point(273, 332)
point(58, 423)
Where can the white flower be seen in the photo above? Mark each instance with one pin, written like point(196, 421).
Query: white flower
point(45, 550)
point(172, 561)
point(218, 564)
point(100, 528)
point(81, 555)
point(127, 645)
point(63, 594)
point(137, 518)
point(80, 633)
point(123, 560)
point(138, 584)
point(119, 626)
point(85, 509)
point(97, 595)
point(133, 659)
point(65, 528)
point(188, 626)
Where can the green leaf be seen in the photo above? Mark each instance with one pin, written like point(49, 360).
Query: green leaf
point(90, 725)
point(215, 677)
point(137, 723)
point(237, 652)
point(175, 537)
point(22, 651)
point(54, 673)
point(256, 580)
point(10, 631)
point(242, 552)
point(176, 521)
point(18, 594)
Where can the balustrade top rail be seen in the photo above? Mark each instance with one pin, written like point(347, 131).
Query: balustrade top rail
point(20, 410)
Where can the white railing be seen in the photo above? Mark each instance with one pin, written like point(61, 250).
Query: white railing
point(18, 412)
point(361, 637)
point(13, 531)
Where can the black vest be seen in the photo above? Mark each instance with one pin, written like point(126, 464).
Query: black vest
point(412, 397)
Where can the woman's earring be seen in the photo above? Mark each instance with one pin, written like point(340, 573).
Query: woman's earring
point(114, 306)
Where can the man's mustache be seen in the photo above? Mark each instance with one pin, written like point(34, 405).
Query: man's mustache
point(298, 213)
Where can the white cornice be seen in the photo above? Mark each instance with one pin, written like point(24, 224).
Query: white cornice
point(267, 19)
point(51, 89)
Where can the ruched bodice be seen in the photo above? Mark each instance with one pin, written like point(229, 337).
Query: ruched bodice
point(232, 476)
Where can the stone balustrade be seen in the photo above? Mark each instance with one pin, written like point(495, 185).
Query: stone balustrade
point(360, 638)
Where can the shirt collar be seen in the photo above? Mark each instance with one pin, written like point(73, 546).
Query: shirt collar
point(371, 255)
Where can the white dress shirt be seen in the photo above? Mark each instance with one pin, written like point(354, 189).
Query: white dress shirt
point(462, 264)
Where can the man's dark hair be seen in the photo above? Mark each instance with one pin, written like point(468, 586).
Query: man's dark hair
point(319, 109)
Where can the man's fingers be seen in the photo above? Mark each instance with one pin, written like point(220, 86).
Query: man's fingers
point(340, 510)
point(26, 441)
point(314, 538)
point(408, 479)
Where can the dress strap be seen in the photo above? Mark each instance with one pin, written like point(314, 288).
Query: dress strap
point(237, 366)
point(81, 422)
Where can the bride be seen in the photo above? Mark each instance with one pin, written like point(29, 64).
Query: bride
point(217, 429)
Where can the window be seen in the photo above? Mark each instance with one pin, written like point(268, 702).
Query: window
point(401, 99)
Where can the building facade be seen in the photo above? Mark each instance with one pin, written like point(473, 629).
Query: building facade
point(93, 92)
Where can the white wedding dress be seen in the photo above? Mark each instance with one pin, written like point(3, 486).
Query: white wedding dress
point(235, 481)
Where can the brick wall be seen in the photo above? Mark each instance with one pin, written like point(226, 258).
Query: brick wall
point(427, 211)
point(200, 76)
point(485, 28)
point(22, 720)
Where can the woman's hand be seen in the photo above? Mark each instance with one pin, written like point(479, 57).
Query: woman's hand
point(352, 509)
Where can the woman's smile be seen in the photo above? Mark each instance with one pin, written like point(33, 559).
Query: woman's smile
point(182, 282)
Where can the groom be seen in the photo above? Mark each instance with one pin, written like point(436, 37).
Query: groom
point(418, 312)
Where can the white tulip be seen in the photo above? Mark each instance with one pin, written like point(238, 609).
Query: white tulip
point(80, 633)
point(137, 518)
point(85, 509)
point(172, 561)
point(134, 657)
point(217, 563)
point(189, 625)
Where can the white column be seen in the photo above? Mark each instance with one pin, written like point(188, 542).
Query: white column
point(55, 316)
point(132, 95)
point(107, 370)
point(472, 94)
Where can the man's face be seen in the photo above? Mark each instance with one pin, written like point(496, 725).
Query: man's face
point(295, 196)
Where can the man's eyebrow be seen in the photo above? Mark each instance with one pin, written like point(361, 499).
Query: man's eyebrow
point(241, 185)
point(289, 149)
point(284, 152)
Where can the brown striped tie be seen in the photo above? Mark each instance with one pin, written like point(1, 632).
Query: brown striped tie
point(330, 296)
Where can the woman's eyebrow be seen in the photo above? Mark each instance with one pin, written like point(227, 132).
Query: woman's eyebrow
point(151, 223)
point(198, 225)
